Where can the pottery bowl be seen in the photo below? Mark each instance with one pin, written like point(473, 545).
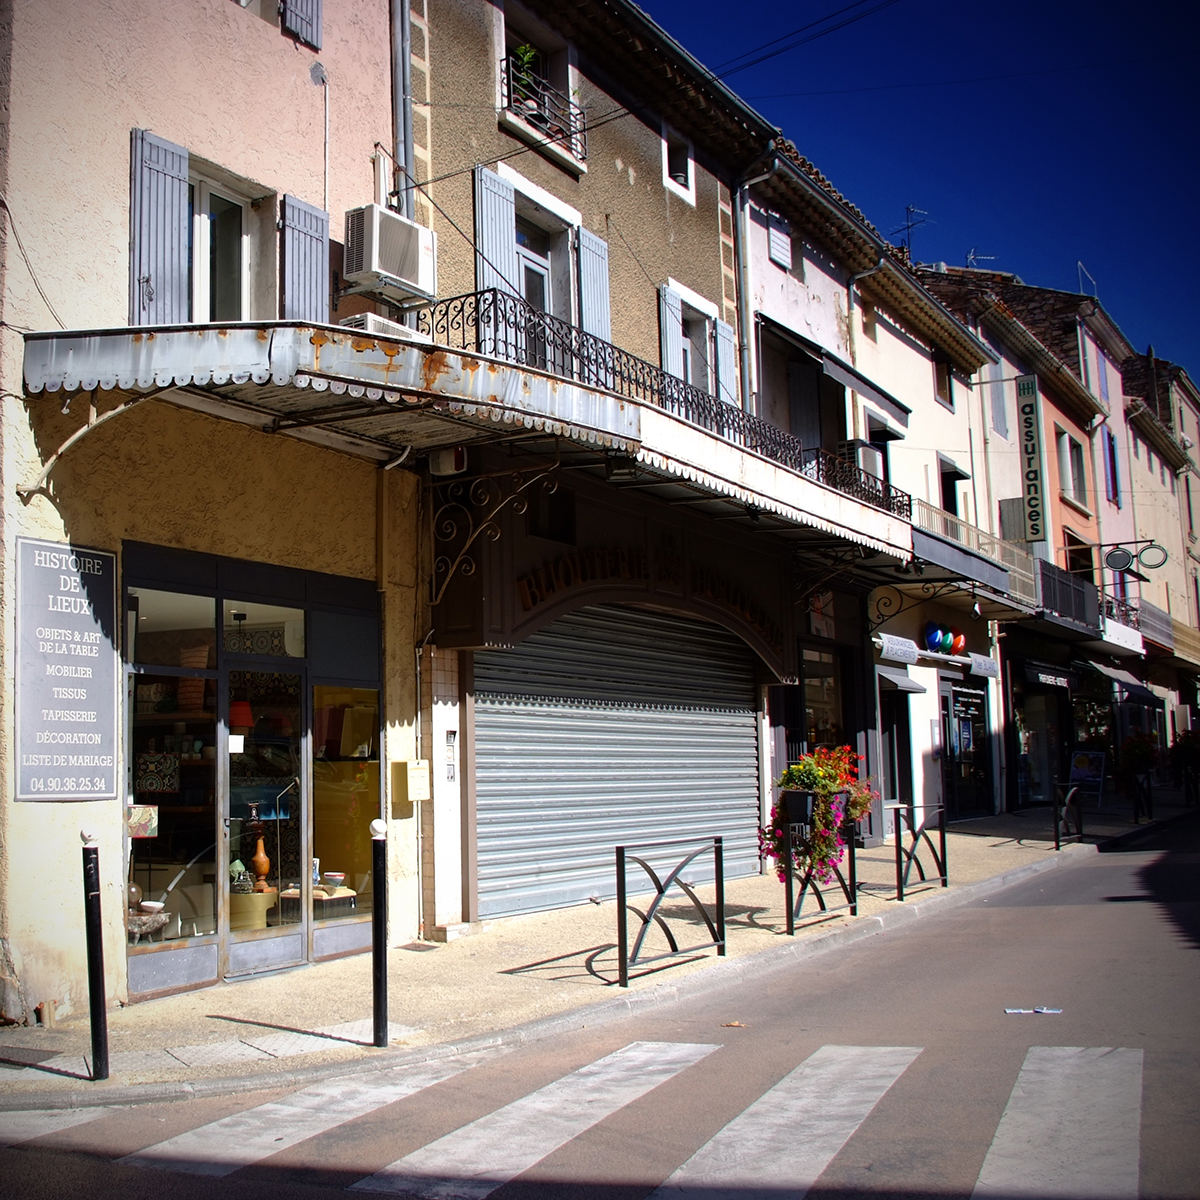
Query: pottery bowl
point(334, 879)
point(151, 906)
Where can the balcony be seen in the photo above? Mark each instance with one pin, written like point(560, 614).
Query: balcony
point(1124, 612)
point(533, 101)
point(1187, 643)
point(1016, 577)
point(1156, 625)
point(1068, 601)
point(503, 326)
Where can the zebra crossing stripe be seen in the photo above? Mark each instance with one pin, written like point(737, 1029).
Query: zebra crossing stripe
point(237, 1141)
point(793, 1131)
point(17, 1127)
point(1072, 1127)
point(473, 1161)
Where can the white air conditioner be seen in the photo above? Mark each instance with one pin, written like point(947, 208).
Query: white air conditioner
point(450, 461)
point(376, 326)
point(870, 459)
point(390, 256)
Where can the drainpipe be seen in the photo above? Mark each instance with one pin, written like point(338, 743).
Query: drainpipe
point(402, 126)
point(742, 267)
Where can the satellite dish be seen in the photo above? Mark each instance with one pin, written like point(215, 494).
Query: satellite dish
point(1118, 559)
point(1152, 556)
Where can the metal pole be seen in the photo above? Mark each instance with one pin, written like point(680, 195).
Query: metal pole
point(942, 836)
point(379, 929)
point(719, 864)
point(899, 828)
point(95, 955)
point(622, 927)
point(852, 831)
point(789, 895)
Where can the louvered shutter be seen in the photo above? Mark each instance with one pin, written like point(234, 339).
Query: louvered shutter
point(302, 19)
point(495, 233)
point(593, 285)
point(305, 262)
point(727, 379)
point(158, 231)
point(670, 330)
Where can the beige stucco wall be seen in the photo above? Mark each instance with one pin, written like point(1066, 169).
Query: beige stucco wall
point(622, 192)
point(224, 82)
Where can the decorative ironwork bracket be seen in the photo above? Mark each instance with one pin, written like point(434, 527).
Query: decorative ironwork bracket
point(890, 601)
point(470, 508)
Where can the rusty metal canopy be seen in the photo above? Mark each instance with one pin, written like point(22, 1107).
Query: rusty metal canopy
point(371, 396)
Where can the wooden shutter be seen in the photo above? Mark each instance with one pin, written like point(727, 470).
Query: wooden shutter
point(595, 317)
point(158, 231)
point(305, 262)
point(670, 330)
point(727, 378)
point(495, 233)
point(302, 19)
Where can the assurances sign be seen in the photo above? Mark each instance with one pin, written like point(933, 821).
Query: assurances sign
point(67, 672)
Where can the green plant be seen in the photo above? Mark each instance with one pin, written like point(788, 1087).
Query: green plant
point(839, 797)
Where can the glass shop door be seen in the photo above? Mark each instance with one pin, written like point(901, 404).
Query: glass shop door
point(267, 864)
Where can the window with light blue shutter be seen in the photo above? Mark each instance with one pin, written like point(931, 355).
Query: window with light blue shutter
point(495, 233)
point(302, 19)
point(727, 376)
point(595, 317)
point(158, 231)
point(305, 262)
point(670, 330)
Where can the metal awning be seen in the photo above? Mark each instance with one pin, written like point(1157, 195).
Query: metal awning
point(374, 397)
point(898, 678)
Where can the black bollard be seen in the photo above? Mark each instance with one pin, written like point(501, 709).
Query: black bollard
point(379, 929)
point(95, 956)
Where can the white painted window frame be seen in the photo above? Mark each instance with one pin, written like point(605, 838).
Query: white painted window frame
point(203, 189)
point(688, 193)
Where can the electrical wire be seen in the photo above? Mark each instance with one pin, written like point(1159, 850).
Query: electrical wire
point(12, 220)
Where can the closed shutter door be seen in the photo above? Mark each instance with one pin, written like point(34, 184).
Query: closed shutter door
point(610, 727)
point(727, 380)
point(302, 19)
point(158, 231)
point(305, 262)
point(495, 233)
point(670, 331)
point(593, 286)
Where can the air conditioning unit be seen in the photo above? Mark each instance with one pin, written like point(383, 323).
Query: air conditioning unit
point(390, 256)
point(450, 461)
point(376, 326)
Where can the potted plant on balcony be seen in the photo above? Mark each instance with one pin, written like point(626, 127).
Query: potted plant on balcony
point(525, 82)
point(835, 796)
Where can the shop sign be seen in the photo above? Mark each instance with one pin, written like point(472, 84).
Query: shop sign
point(1049, 676)
point(897, 649)
point(985, 665)
point(1029, 421)
point(67, 671)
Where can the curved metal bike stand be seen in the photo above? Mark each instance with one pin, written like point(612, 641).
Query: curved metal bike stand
point(909, 856)
point(661, 885)
point(808, 884)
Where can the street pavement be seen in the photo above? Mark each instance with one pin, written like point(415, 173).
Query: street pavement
point(1038, 1041)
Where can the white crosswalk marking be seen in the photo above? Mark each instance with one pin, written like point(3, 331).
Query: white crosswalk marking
point(233, 1142)
point(498, 1147)
point(1072, 1127)
point(16, 1127)
point(791, 1133)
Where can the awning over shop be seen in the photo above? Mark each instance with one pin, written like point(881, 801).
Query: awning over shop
point(898, 678)
point(1132, 687)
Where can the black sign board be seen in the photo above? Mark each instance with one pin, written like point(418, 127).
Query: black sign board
point(67, 672)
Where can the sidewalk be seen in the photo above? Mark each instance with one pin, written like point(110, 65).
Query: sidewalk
point(509, 982)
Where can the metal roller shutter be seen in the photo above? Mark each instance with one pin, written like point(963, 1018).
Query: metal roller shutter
point(609, 726)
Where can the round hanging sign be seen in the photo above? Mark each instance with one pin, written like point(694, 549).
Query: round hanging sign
point(1152, 556)
point(1118, 559)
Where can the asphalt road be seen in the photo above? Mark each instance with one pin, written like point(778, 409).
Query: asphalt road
point(889, 1069)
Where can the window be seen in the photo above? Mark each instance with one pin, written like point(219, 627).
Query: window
point(1102, 374)
point(1112, 478)
point(1078, 555)
point(697, 346)
point(1072, 478)
point(779, 241)
point(535, 100)
point(870, 320)
point(949, 476)
point(679, 166)
point(941, 382)
point(217, 251)
point(1187, 498)
point(999, 403)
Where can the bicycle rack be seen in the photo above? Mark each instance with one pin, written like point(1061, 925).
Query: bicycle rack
point(1063, 809)
point(910, 856)
point(849, 888)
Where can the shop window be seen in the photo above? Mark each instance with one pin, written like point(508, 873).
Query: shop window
point(345, 798)
point(823, 722)
point(170, 629)
point(263, 629)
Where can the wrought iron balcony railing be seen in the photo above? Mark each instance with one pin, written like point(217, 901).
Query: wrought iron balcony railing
point(504, 326)
point(528, 96)
point(1124, 612)
point(1016, 560)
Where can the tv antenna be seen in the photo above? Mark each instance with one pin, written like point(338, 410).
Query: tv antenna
point(1082, 272)
point(911, 212)
point(974, 258)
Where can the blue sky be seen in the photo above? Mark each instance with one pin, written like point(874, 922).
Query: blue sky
point(1059, 131)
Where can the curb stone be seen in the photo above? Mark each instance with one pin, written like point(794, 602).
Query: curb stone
point(723, 973)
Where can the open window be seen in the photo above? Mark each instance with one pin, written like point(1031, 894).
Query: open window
point(1079, 556)
point(1072, 474)
point(697, 346)
point(679, 164)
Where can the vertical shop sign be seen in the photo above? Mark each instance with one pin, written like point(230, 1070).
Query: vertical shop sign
point(66, 685)
point(1029, 422)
